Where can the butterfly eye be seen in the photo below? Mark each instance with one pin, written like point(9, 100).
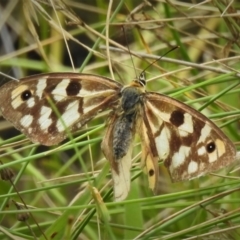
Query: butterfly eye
point(210, 147)
point(26, 95)
point(142, 78)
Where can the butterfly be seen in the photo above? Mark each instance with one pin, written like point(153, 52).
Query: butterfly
point(188, 143)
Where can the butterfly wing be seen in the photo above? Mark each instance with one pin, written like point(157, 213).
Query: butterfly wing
point(188, 142)
point(120, 168)
point(150, 157)
point(43, 106)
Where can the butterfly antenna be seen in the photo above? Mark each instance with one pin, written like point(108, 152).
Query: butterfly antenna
point(129, 49)
point(8, 76)
point(142, 73)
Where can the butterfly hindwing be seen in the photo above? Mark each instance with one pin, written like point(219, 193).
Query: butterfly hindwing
point(29, 103)
point(150, 157)
point(120, 168)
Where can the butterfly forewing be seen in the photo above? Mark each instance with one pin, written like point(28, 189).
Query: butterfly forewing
point(188, 142)
point(43, 106)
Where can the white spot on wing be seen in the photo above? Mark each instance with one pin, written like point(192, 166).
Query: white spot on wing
point(30, 102)
point(164, 116)
point(201, 151)
point(44, 120)
point(70, 116)
point(192, 167)
point(122, 179)
point(26, 120)
point(179, 157)
point(58, 98)
point(183, 133)
point(42, 83)
point(187, 126)
point(220, 147)
point(16, 103)
point(59, 91)
point(205, 132)
point(212, 157)
point(162, 143)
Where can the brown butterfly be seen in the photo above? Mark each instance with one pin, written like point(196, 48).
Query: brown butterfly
point(189, 144)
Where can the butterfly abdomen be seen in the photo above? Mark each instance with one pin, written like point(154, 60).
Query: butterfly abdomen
point(123, 134)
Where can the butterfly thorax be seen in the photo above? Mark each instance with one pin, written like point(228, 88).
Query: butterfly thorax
point(131, 97)
point(125, 127)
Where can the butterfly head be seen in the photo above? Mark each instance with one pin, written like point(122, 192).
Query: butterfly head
point(142, 79)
